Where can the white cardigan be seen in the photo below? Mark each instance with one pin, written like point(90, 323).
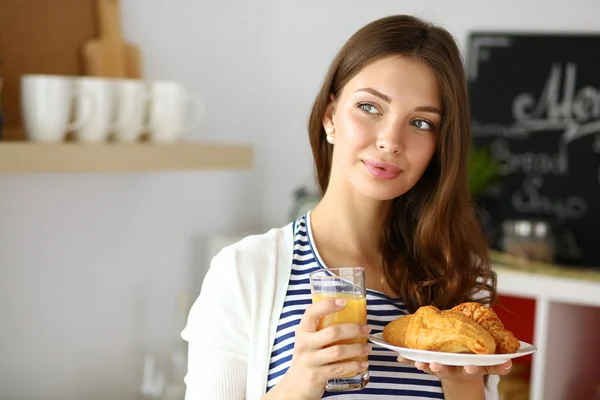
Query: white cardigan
point(231, 326)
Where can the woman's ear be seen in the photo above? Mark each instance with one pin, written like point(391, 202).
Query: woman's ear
point(329, 115)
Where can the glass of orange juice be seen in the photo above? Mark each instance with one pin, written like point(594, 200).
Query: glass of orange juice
point(348, 284)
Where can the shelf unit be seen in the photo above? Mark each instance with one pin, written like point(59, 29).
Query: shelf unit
point(566, 322)
point(30, 157)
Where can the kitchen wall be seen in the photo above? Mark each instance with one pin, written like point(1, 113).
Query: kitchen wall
point(91, 265)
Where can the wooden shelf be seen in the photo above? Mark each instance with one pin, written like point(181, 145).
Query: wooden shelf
point(29, 157)
point(539, 286)
point(523, 278)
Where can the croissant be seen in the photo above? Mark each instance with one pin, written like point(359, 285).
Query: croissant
point(447, 331)
point(395, 331)
point(488, 320)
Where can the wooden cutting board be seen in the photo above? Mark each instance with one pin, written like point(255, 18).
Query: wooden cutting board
point(40, 37)
point(109, 55)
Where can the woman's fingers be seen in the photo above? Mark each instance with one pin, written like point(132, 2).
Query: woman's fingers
point(421, 366)
point(439, 369)
point(340, 352)
point(335, 333)
point(405, 360)
point(310, 319)
point(341, 369)
point(328, 353)
point(502, 369)
point(451, 372)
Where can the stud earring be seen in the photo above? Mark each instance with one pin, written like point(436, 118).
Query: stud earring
point(329, 130)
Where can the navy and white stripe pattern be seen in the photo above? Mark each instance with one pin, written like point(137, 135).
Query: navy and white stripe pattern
point(389, 378)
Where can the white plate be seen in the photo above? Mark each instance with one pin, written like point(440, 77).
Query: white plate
point(459, 359)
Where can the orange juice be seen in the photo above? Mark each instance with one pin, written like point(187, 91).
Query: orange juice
point(355, 311)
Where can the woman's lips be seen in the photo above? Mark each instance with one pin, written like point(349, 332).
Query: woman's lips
point(381, 170)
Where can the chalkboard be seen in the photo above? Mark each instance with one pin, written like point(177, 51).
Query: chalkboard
point(535, 104)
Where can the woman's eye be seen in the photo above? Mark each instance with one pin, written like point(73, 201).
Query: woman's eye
point(368, 108)
point(422, 124)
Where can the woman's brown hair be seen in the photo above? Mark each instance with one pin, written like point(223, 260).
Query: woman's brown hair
point(434, 250)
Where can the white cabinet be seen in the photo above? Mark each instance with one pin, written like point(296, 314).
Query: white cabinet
point(566, 328)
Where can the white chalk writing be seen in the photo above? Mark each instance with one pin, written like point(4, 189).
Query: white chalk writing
point(530, 200)
point(529, 163)
point(577, 113)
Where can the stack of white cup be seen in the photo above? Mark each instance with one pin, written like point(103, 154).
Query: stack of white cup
point(99, 109)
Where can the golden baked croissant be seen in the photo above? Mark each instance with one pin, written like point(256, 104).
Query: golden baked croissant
point(395, 331)
point(488, 320)
point(447, 331)
point(430, 320)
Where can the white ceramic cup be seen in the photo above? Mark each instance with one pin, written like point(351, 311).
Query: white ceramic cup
point(100, 106)
point(46, 105)
point(130, 111)
point(170, 115)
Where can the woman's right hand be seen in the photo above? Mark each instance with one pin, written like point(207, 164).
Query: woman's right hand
point(317, 358)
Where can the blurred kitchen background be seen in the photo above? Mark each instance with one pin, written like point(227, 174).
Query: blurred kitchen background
point(103, 249)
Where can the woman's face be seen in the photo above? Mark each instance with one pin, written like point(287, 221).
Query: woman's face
point(386, 122)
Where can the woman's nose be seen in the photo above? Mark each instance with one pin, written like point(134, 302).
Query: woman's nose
point(390, 141)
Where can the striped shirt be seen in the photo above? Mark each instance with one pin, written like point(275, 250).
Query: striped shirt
point(389, 379)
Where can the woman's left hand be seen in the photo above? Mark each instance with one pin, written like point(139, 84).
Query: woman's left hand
point(470, 372)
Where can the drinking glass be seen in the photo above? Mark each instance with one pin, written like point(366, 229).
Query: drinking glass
point(349, 284)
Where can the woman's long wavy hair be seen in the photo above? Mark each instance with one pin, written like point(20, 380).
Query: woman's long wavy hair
point(434, 250)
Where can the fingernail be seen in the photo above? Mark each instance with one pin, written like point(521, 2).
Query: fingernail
point(508, 368)
point(367, 348)
point(340, 302)
point(434, 368)
point(469, 370)
point(364, 364)
point(367, 328)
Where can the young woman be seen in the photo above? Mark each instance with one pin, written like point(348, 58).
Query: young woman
point(390, 136)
